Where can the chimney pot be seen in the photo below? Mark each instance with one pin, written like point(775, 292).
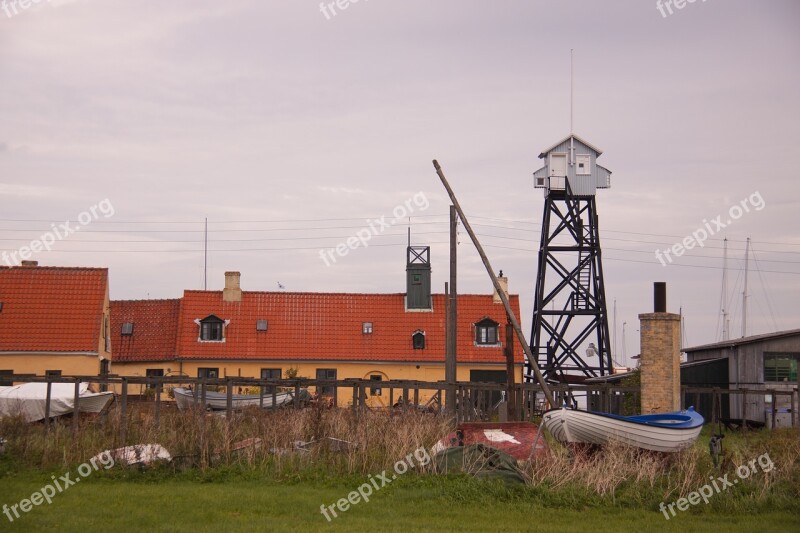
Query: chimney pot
point(659, 297)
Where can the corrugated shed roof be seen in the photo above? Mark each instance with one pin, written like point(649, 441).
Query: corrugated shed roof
point(744, 340)
point(51, 309)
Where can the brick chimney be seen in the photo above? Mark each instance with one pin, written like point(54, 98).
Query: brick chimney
point(660, 361)
point(29, 263)
point(232, 291)
point(503, 281)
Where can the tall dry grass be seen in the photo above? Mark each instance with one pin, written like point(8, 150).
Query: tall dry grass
point(641, 474)
point(289, 439)
point(374, 441)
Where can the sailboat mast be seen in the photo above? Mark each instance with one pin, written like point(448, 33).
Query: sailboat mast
point(725, 332)
point(744, 291)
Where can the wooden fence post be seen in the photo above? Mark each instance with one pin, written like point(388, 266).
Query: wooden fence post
point(744, 409)
point(228, 399)
point(47, 406)
point(774, 409)
point(123, 415)
point(76, 409)
point(158, 404)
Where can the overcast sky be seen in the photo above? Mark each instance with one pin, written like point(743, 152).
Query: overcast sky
point(294, 126)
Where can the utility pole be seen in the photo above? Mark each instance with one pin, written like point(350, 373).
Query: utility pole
point(615, 332)
point(450, 366)
point(624, 351)
point(205, 258)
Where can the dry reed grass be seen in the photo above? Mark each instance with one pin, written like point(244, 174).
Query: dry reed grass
point(376, 440)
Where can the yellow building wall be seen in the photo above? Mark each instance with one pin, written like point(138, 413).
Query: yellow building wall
point(37, 364)
point(104, 340)
point(252, 369)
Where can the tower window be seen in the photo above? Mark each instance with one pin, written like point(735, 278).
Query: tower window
point(583, 164)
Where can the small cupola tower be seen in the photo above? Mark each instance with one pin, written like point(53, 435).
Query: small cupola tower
point(418, 278)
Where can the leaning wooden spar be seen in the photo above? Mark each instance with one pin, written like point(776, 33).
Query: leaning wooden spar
point(503, 297)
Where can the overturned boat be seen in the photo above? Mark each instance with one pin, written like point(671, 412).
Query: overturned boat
point(662, 432)
point(218, 401)
point(30, 400)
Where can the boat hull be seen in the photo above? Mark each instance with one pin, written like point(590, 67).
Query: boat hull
point(29, 400)
point(216, 401)
point(576, 426)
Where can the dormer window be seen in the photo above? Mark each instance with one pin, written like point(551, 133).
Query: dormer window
point(212, 329)
point(366, 328)
point(418, 340)
point(261, 325)
point(127, 328)
point(486, 332)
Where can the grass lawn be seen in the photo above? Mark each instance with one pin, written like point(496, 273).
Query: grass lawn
point(144, 502)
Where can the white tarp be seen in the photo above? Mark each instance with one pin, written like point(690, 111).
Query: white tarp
point(30, 399)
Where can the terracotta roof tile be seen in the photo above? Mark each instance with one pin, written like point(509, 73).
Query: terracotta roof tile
point(51, 309)
point(155, 328)
point(320, 326)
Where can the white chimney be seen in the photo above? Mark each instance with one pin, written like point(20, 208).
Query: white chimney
point(503, 281)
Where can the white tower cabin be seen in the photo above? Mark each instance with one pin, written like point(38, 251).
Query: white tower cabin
point(576, 160)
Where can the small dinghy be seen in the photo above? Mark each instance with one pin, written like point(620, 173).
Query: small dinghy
point(218, 401)
point(662, 432)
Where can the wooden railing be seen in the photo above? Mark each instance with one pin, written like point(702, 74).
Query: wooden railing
point(474, 401)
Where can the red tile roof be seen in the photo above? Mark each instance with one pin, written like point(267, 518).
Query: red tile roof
point(155, 329)
point(51, 309)
point(328, 326)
